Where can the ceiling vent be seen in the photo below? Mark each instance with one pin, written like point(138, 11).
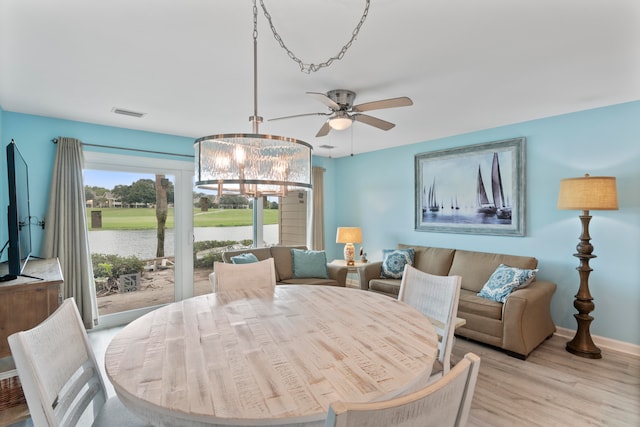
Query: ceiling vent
point(128, 112)
point(327, 147)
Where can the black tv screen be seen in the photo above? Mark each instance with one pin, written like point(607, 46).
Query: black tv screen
point(19, 217)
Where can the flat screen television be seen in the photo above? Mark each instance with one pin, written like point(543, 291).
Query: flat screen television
point(18, 215)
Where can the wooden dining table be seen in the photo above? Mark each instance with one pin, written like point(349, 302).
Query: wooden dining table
point(269, 357)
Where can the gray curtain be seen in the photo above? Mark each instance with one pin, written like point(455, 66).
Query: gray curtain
point(317, 214)
point(66, 236)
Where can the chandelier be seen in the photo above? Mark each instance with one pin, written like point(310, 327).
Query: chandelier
point(252, 164)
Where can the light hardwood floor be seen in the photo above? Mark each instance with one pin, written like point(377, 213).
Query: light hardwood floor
point(551, 388)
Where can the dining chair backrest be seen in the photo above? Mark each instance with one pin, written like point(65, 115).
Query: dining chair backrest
point(445, 402)
point(261, 274)
point(437, 298)
point(60, 378)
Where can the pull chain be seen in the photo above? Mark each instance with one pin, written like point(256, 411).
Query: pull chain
point(308, 68)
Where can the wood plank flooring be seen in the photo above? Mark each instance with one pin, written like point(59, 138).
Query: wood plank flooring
point(551, 388)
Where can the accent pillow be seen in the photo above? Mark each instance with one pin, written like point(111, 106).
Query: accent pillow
point(505, 280)
point(246, 258)
point(308, 263)
point(394, 260)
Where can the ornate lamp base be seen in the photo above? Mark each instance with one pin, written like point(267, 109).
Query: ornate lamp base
point(582, 345)
point(349, 254)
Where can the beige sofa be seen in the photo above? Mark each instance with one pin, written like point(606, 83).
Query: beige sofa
point(518, 326)
point(283, 261)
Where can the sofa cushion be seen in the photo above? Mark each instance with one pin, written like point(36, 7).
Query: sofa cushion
point(476, 267)
point(436, 261)
point(385, 286)
point(283, 260)
point(394, 260)
point(260, 253)
point(308, 263)
point(310, 281)
point(505, 280)
point(471, 303)
point(246, 258)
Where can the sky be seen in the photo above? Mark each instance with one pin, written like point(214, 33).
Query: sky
point(109, 179)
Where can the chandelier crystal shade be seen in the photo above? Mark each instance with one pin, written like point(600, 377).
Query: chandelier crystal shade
point(252, 164)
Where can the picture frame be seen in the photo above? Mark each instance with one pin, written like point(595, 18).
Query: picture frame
point(476, 189)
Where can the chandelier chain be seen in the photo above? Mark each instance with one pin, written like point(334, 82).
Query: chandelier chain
point(308, 68)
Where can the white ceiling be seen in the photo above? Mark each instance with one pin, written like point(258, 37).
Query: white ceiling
point(188, 64)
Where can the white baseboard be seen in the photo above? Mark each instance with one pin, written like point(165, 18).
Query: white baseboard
point(609, 343)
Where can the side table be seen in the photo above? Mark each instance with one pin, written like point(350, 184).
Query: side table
point(353, 270)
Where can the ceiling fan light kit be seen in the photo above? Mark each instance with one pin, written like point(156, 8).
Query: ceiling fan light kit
point(340, 122)
point(343, 112)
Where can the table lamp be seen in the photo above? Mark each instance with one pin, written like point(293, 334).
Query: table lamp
point(349, 236)
point(586, 193)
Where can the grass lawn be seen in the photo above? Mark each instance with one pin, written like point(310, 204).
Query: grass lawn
point(145, 218)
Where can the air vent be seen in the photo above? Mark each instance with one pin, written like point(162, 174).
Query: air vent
point(128, 112)
point(327, 147)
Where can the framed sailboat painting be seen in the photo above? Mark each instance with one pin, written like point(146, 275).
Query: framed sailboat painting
point(477, 189)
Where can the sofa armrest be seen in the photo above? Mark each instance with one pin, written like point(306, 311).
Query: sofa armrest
point(526, 317)
point(370, 271)
point(338, 273)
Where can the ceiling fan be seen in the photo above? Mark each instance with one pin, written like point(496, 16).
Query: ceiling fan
point(343, 112)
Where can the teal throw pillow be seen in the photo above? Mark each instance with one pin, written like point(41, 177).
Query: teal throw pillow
point(394, 260)
point(505, 280)
point(246, 258)
point(309, 264)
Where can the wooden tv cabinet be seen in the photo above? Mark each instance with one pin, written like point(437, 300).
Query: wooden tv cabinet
point(24, 303)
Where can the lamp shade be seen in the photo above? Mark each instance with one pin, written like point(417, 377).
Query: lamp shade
point(588, 193)
point(252, 164)
point(349, 235)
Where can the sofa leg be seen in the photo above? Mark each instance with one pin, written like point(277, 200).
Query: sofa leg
point(516, 355)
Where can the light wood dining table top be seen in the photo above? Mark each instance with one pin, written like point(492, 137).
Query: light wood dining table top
point(269, 357)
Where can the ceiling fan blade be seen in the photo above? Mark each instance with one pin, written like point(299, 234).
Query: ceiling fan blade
point(402, 101)
point(325, 100)
point(324, 130)
point(299, 115)
point(373, 121)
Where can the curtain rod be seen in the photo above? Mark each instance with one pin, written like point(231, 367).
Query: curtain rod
point(55, 141)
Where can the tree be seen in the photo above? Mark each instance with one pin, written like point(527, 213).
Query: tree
point(161, 186)
point(234, 201)
point(144, 191)
point(89, 194)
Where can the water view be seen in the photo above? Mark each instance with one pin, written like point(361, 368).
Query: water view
point(142, 243)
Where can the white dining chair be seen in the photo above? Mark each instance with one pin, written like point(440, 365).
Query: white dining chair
point(227, 276)
point(443, 403)
point(60, 377)
point(437, 298)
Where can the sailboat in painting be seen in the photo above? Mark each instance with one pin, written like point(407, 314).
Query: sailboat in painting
point(499, 206)
point(432, 204)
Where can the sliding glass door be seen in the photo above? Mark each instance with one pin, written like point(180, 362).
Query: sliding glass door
point(140, 219)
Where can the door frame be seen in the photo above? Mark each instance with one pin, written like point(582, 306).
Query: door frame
point(183, 171)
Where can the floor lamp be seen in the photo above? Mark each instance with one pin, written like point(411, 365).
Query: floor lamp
point(586, 193)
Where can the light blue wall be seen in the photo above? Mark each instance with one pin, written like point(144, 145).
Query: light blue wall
point(33, 135)
point(377, 193)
